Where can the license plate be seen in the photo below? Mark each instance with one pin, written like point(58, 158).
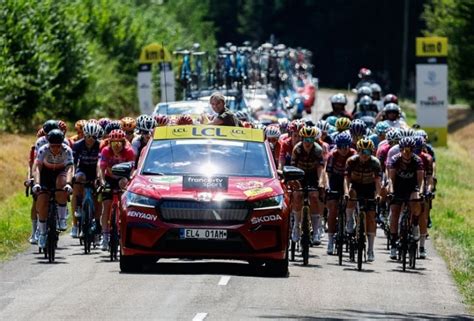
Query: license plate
point(202, 234)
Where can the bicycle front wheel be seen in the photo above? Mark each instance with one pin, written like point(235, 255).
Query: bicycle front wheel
point(113, 236)
point(360, 242)
point(306, 235)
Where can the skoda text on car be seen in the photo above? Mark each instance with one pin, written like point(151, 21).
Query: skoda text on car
point(206, 192)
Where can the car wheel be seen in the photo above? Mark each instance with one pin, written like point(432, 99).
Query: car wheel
point(278, 268)
point(130, 264)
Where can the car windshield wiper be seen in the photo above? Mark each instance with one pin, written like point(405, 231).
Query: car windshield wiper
point(152, 173)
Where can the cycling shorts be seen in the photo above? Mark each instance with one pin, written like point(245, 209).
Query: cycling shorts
point(366, 191)
point(111, 185)
point(89, 173)
point(48, 177)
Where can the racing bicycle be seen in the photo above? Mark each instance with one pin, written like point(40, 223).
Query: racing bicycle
point(87, 218)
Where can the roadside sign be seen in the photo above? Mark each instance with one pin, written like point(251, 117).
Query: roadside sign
point(432, 88)
point(153, 54)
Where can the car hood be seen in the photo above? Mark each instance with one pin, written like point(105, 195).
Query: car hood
point(238, 188)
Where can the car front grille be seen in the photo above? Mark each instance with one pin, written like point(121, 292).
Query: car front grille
point(209, 212)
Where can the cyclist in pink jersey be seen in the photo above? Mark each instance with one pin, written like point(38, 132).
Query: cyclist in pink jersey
point(118, 151)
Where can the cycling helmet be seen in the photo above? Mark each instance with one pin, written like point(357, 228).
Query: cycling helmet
point(365, 143)
point(127, 124)
point(295, 126)
point(283, 122)
point(364, 72)
point(242, 115)
point(115, 124)
point(55, 136)
point(323, 126)
point(358, 128)
point(343, 139)
point(375, 88)
point(393, 135)
point(365, 102)
point(392, 107)
point(308, 132)
point(117, 135)
point(93, 129)
point(422, 133)
point(407, 142)
point(332, 120)
point(272, 132)
point(49, 125)
point(339, 98)
point(419, 142)
point(381, 127)
point(308, 122)
point(332, 130)
point(363, 91)
point(146, 123)
point(63, 126)
point(184, 120)
point(390, 98)
point(343, 124)
point(161, 120)
point(79, 125)
point(369, 121)
point(407, 132)
point(103, 122)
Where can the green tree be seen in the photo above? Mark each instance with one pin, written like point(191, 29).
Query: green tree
point(455, 20)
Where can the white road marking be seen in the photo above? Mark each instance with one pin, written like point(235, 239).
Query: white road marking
point(224, 280)
point(200, 316)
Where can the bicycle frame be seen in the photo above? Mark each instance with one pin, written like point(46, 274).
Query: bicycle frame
point(114, 225)
point(88, 211)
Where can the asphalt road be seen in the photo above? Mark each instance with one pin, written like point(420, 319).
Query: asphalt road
point(85, 287)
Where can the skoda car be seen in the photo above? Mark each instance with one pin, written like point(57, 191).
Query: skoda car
point(205, 192)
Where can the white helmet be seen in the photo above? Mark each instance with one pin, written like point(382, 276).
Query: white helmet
point(93, 129)
point(145, 123)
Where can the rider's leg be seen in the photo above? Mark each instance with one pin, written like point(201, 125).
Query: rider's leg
point(61, 199)
point(416, 210)
point(371, 230)
point(394, 217)
point(297, 206)
point(350, 212)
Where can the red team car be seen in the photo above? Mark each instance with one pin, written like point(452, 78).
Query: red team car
point(205, 192)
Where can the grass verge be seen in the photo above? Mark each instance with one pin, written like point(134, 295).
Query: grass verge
point(452, 216)
point(15, 225)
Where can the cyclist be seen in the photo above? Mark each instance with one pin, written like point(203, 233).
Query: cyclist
point(361, 92)
point(391, 113)
point(128, 125)
point(145, 126)
point(358, 130)
point(377, 96)
point(365, 107)
point(53, 169)
point(364, 75)
point(335, 168)
point(115, 124)
point(428, 190)
point(393, 137)
point(363, 180)
point(324, 127)
point(287, 144)
point(308, 156)
point(379, 133)
point(79, 126)
point(118, 151)
point(272, 134)
point(86, 156)
point(406, 174)
point(338, 104)
point(224, 116)
point(395, 149)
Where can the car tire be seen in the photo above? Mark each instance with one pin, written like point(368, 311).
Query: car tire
point(131, 264)
point(278, 268)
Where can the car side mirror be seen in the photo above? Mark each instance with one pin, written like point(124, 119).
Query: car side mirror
point(123, 169)
point(291, 173)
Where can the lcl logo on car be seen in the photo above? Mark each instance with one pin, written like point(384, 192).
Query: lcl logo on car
point(237, 132)
point(179, 131)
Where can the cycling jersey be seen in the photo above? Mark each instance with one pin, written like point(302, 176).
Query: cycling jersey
point(286, 149)
point(54, 162)
point(85, 159)
point(395, 149)
point(430, 151)
point(336, 167)
point(427, 163)
point(109, 159)
point(137, 144)
point(406, 180)
point(382, 152)
point(53, 165)
point(307, 161)
point(363, 172)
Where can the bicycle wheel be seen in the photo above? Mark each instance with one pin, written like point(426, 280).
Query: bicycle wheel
point(412, 254)
point(305, 236)
point(404, 240)
point(292, 250)
point(86, 219)
point(51, 234)
point(360, 241)
point(113, 236)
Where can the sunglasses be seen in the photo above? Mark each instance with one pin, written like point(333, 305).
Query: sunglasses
point(366, 152)
point(116, 144)
point(308, 140)
point(91, 136)
point(407, 149)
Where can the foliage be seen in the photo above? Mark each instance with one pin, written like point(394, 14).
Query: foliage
point(455, 20)
point(78, 58)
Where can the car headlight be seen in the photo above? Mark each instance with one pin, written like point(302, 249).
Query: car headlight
point(269, 203)
point(133, 199)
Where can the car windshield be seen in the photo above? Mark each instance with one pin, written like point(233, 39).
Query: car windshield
point(207, 157)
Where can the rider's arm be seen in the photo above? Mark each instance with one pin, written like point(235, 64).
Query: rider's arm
point(37, 173)
point(420, 175)
point(392, 174)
